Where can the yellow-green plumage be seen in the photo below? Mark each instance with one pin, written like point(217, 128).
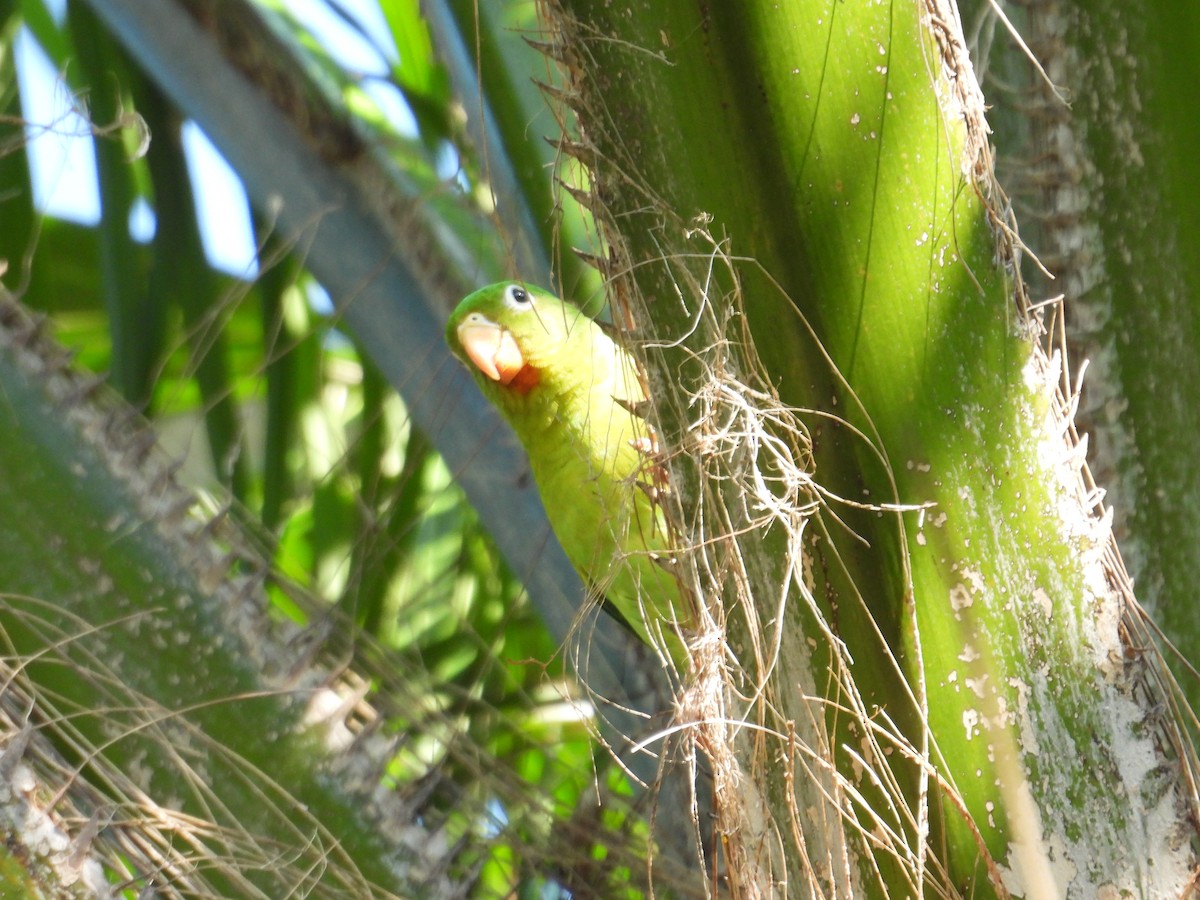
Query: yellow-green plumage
point(567, 390)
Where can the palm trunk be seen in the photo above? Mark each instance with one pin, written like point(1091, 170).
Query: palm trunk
point(964, 681)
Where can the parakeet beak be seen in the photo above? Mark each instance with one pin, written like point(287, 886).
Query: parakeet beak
point(494, 351)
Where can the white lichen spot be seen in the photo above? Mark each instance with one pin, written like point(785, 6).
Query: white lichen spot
point(970, 720)
point(1028, 739)
point(960, 597)
point(978, 585)
point(969, 654)
point(1003, 716)
point(23, 780)
point(856, 765)
point(328, 709)
point(1043, 602)
point(855, 119)
point(976, 685)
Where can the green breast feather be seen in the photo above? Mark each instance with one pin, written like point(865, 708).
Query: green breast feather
point(569, 393)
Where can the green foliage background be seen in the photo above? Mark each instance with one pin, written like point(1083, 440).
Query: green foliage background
point(391, 552)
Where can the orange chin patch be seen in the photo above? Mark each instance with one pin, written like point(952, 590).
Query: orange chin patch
point(525, 380)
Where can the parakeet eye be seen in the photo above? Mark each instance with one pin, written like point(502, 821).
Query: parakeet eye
point(517, 297)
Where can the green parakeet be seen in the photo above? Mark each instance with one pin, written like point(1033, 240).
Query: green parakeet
point(572, 395)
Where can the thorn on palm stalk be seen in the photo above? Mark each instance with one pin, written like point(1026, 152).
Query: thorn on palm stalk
point(589, 201)
point(583, 153)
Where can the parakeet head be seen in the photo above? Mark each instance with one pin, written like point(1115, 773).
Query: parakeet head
point(513, 335)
